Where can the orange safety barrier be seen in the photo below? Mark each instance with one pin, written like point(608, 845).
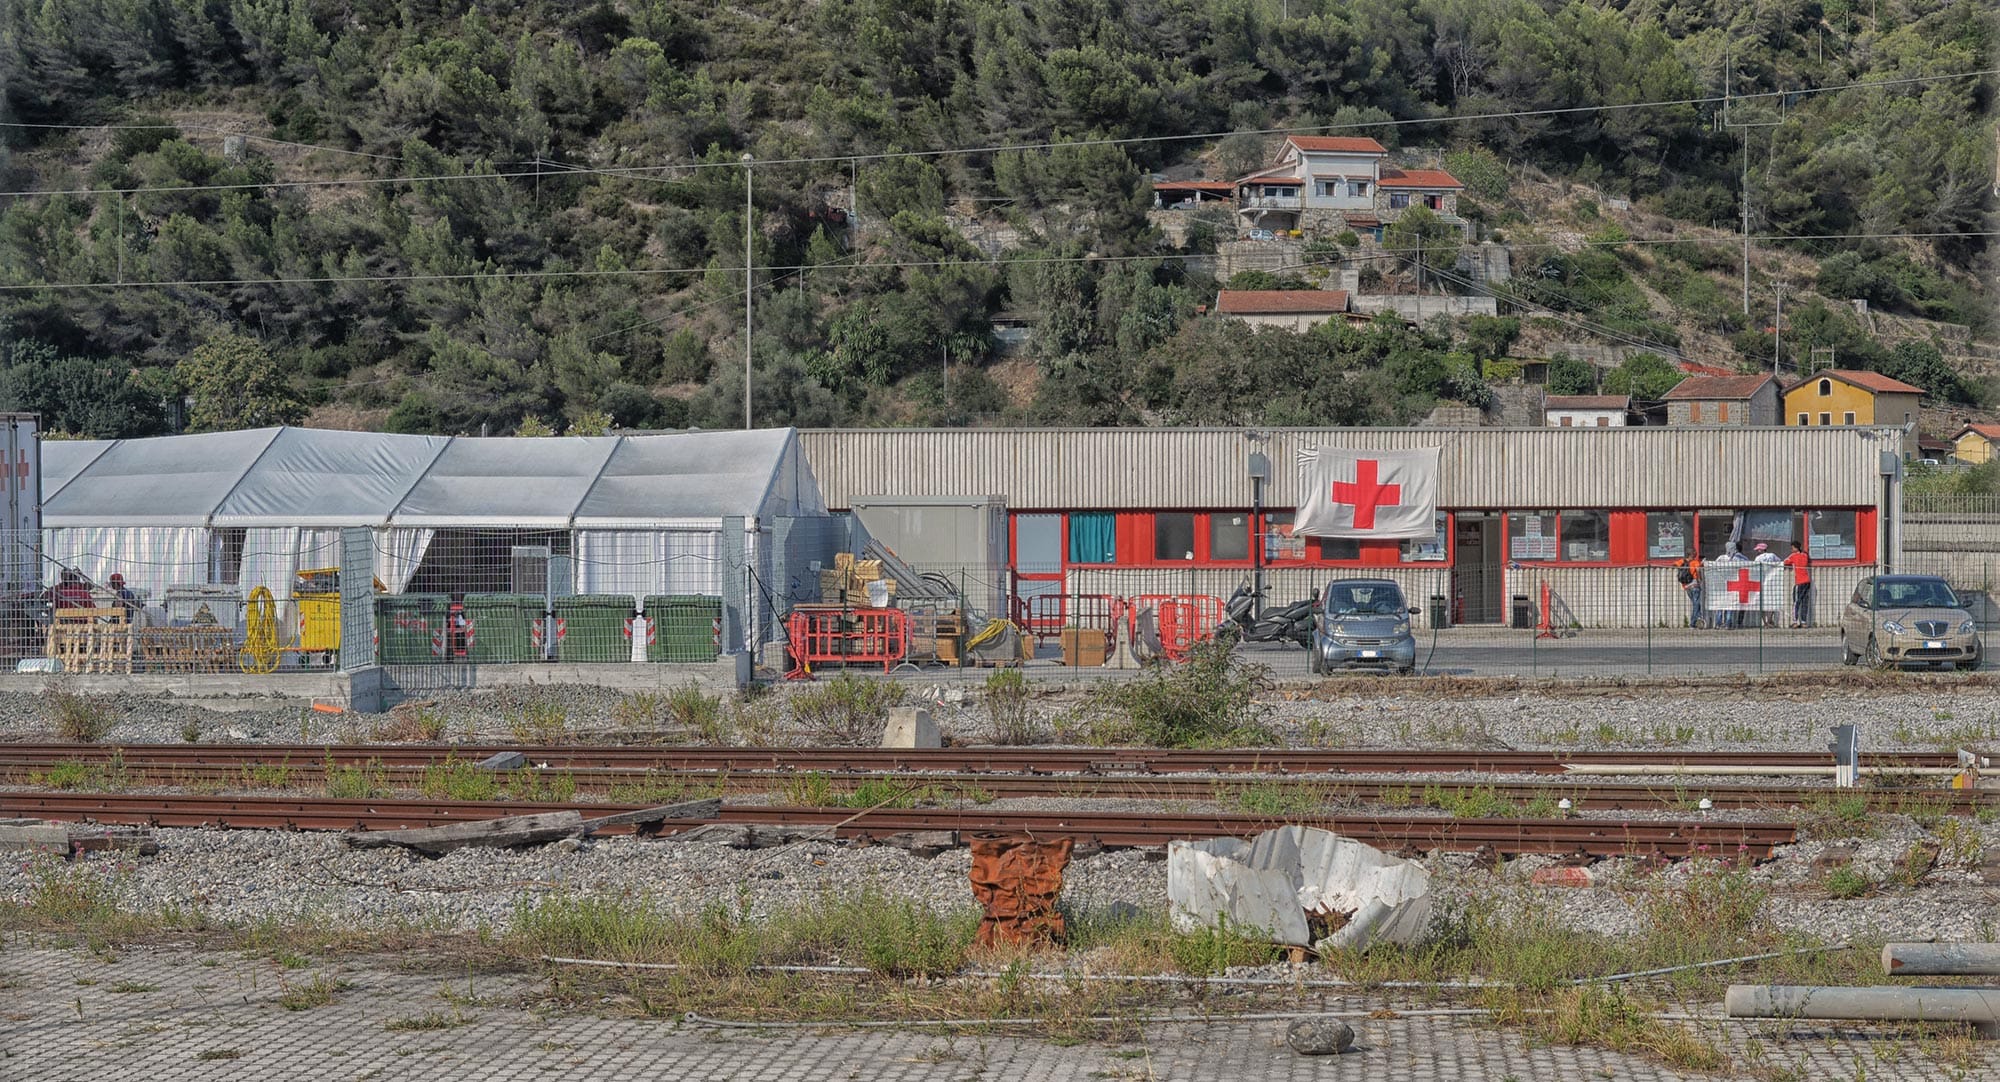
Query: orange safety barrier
point(826, 635)
point(1185, 619)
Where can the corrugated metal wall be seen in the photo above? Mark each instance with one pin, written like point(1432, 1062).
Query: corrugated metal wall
point(1063, 469)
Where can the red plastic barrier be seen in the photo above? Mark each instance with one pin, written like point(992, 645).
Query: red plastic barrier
point(868, 636)
point(1184, 619)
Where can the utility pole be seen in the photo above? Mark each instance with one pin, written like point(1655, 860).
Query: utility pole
point(749, 279)
point(1777, 327)
point(1729, 121)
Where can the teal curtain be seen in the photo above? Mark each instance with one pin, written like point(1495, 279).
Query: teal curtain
point(1093, 537)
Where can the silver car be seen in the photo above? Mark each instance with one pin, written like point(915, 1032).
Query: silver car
point(1908, 620)
point(1363, 623)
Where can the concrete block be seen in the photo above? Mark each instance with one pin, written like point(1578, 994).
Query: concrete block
point(36, 838)
point(504, 760)
point(911, 727)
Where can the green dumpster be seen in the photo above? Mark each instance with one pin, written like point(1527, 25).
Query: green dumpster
point(592, 627)
point(684, 627)
point(500, 628)
point(409, 628)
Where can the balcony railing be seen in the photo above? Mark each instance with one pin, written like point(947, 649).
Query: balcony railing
point(1271, 202)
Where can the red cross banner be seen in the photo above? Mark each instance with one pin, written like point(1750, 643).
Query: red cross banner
point(1741, 586)
point(1378, 494)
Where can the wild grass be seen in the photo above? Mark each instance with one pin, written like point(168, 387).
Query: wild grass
point(317, 992)
point(1007, 710)
point(460, 779)
point(355, 782)
point(1207, 701)
point(815, 789)
point(76, 716)
point(542, 721)
point(846, 709)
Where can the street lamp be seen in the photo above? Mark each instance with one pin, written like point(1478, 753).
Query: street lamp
point(748, 280)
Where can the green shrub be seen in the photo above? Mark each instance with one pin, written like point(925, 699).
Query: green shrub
point(1007, 708)
point(698, 714)
point(846, 709)
point(75, 716)
point(1206, 701)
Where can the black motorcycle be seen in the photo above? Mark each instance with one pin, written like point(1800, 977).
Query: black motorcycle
point(1293, 623)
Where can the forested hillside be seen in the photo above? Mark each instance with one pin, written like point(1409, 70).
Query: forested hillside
point(449, 215)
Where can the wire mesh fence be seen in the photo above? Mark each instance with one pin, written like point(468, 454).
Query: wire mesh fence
point(801, 597)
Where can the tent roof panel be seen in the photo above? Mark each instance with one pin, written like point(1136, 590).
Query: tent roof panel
point(62, 460)
point(321, 477)
point(694, 475)
point(524, 482)
point(318, 477)
point(164, 481)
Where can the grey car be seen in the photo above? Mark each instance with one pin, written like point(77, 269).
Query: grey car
point(1363, 623)
point(1908, 620)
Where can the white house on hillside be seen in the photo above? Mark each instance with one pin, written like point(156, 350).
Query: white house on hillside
point(1326, 184)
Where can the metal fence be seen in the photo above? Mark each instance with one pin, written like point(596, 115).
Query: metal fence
point(440, 604)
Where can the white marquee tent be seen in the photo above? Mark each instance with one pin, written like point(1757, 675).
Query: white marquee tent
point(644, 514)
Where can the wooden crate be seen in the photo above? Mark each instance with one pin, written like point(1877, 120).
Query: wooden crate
point(91, 640)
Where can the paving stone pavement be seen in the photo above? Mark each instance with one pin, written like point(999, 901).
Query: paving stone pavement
point(168, 1014)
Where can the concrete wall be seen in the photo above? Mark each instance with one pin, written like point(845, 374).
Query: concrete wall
point(1420, 308)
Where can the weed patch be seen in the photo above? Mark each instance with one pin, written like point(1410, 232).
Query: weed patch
point(1007, 709)
point(317, 992)
point(75, 716)
point(846, 709)
point(1206, 701)
point(541, 722)
point(356, 782)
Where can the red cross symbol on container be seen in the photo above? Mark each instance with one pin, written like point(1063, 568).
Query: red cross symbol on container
point(1366, 493)
point(1743, 586)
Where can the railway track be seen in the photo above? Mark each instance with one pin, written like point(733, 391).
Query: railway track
point(1291, 791)
point(1594, 837)
point(969, 760)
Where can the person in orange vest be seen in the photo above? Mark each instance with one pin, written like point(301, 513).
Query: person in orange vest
point(1801, 565)
point(1688, 574)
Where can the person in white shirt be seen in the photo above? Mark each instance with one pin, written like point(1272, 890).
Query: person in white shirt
point(1766, 556)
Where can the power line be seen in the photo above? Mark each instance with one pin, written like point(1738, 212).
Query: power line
point(645, 172)
point(1157, 257)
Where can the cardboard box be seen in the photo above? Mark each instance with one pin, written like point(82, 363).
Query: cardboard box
point(1083, 646)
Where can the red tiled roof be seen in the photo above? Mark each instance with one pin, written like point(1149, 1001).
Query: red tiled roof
point(1258, 302)
point(1588, 402)
point(1873, 382)
point(1693, 368)
point(1418, 178)
point(1991, 432)
point(1717, 387)
point(1349, 144)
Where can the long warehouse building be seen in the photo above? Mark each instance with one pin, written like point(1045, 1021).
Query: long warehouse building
point(1061, 520)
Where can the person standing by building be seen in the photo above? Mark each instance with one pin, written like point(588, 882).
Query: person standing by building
point(1801, 565)
point(1729, 619)
point(1689, 576)
point(1765, 556)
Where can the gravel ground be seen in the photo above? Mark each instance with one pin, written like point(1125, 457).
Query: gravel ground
point(1918, 715)
point(253, 876)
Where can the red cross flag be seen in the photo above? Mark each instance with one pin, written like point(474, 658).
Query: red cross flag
point(1379, 494)
point(1745, 586)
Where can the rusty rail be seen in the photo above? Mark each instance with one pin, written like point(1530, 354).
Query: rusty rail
point(1594, 837)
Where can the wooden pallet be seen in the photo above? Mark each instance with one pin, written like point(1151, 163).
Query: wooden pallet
point(186, 649)
point(91, 640)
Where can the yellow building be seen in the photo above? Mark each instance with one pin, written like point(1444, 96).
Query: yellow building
point(1975, 443)
point(1839, 396)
